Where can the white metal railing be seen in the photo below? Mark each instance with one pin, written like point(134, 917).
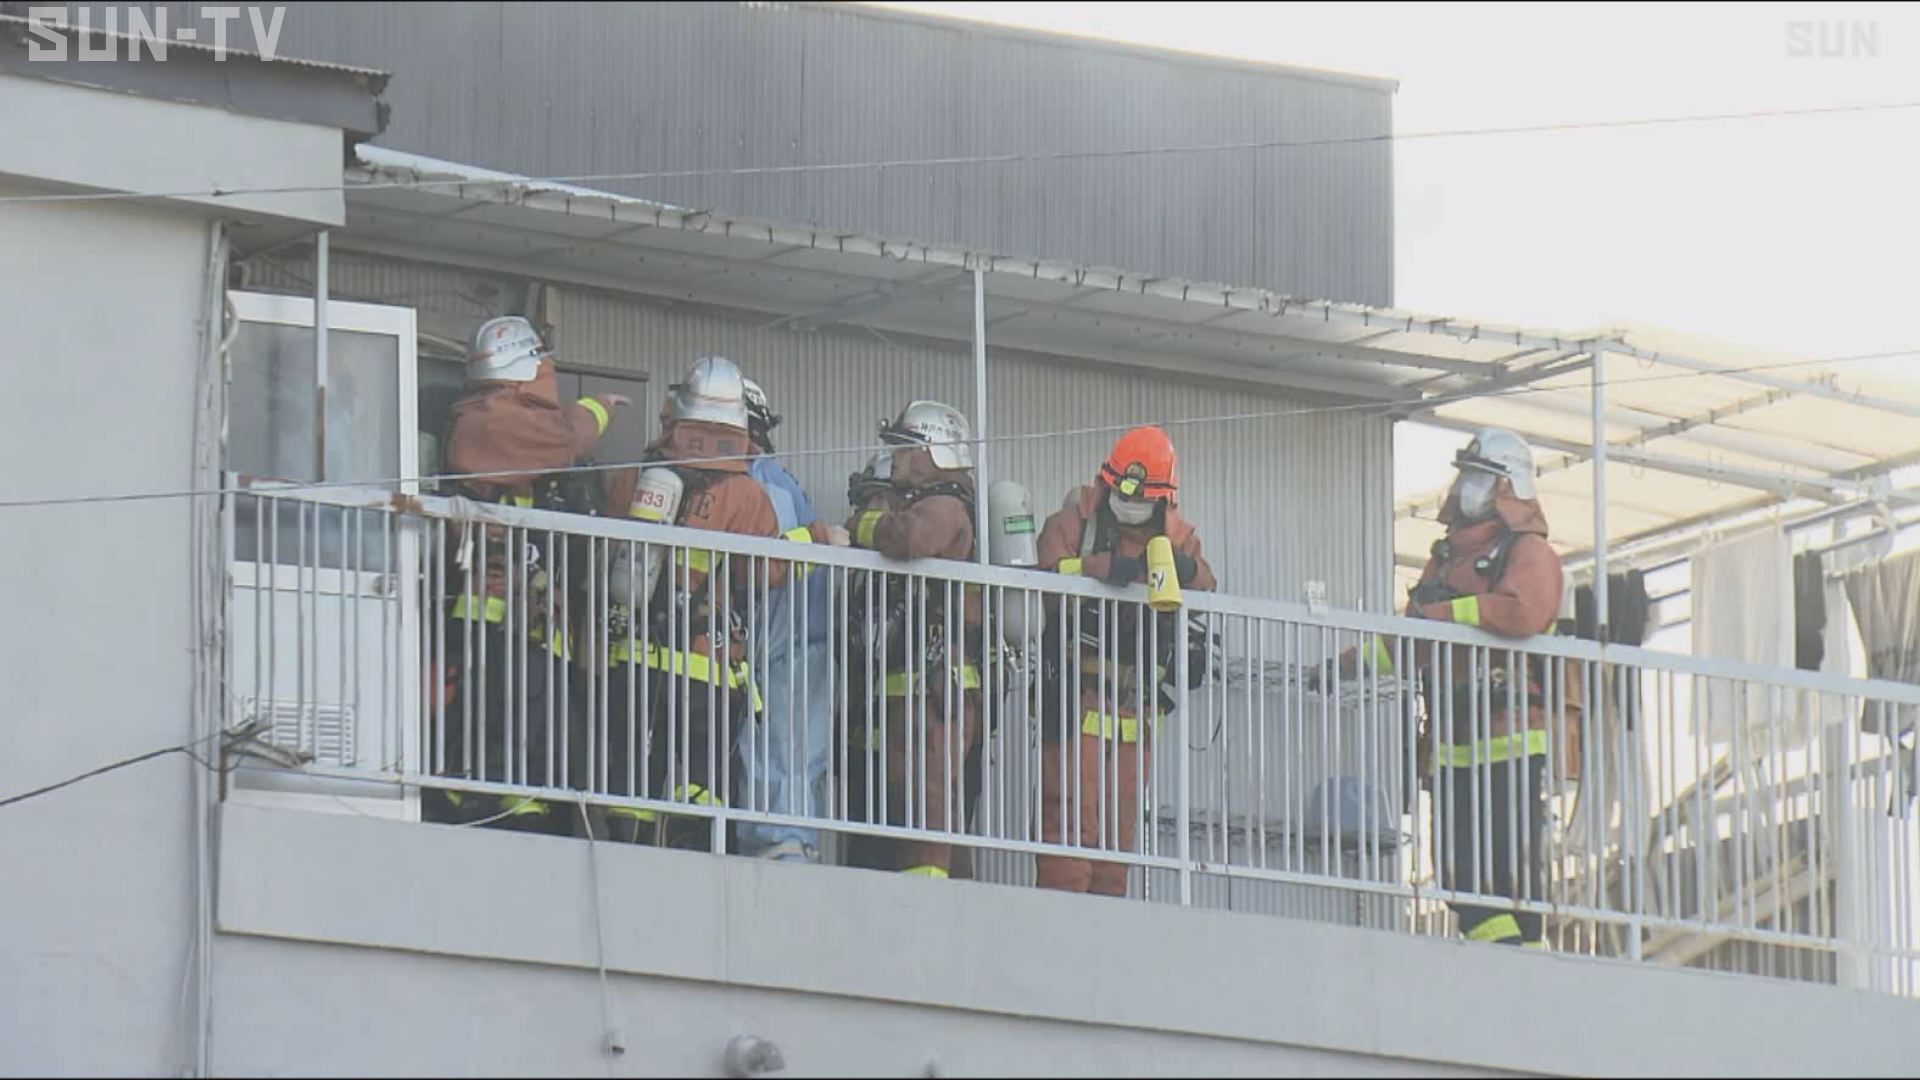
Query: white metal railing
point(1676, 809)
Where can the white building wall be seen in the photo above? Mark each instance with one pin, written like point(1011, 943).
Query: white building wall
point(102, 339)
point(288, 1007)
point(54, 133)
point(103, 304)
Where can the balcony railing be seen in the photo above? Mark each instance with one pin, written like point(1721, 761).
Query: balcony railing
point(990, 721)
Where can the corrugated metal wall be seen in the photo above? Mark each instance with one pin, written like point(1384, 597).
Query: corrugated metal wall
point(1278, 501)
point(591, 89)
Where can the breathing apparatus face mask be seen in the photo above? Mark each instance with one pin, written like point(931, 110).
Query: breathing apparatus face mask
point(1134, 512)
point(1475, 494)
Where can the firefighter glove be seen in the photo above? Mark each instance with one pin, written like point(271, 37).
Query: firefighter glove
point(1186, 566)
point(1123, 569)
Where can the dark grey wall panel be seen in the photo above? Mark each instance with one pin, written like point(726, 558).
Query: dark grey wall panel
point(578, 89)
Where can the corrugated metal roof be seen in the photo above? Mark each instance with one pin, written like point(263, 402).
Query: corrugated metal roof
point(1713, 435)
point(326, 95)
point(1698, 431)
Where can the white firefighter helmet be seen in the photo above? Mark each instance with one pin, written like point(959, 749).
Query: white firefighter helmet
point(714, 392)
point(940, 428)
point(506, 349)
point(1502, 453)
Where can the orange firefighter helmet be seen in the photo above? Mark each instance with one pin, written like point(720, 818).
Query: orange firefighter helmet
point(1141, 466)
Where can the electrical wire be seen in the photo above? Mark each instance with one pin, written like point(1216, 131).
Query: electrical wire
point(608, 1045)
point(1384, 138)
point(90, 774)
point(283, 489)
point(184, 748)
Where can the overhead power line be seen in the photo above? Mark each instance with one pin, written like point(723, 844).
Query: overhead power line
point(1020, 158)
point(277, 490)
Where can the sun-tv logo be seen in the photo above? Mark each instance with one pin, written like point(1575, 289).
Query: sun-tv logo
point(53, 36)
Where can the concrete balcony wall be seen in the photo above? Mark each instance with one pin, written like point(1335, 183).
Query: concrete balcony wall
point(351, 945)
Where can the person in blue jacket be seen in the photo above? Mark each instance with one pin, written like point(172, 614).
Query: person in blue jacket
point(785, 750)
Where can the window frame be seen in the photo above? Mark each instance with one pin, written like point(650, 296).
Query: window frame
point(400, 323)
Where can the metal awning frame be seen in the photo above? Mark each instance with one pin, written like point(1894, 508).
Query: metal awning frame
point(1049, 305)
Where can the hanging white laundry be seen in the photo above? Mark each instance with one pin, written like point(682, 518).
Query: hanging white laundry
point(1743, 610)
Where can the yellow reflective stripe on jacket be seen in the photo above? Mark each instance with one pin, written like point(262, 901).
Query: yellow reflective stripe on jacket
point(522, 805)
point(1099, 724)
point(1070, 565)
point(900, 683)
point(1466, 610)
point(701, 561)
point(800, 534)
point(1382, 659)
point(864, 525)
point(687, 793)
point(695, 794)
point(494, 610)
point(558, 646)
point(1497, 928)
point(599, 411)
point(938, 872)
point(1492, 751)
point(694, 666)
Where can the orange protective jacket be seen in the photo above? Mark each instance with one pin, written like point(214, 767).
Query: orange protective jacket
point(1059, 548)
point(518, 427)
point(1063, 534)
point(938, 526)
point(901, 525)
point(1523, 601)
point(720, 496)
point(521, 426)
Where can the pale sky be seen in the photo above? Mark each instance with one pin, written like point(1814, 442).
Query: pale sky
point(1792, 234)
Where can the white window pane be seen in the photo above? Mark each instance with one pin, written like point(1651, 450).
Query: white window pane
point(363, 406)
point(271, 433)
